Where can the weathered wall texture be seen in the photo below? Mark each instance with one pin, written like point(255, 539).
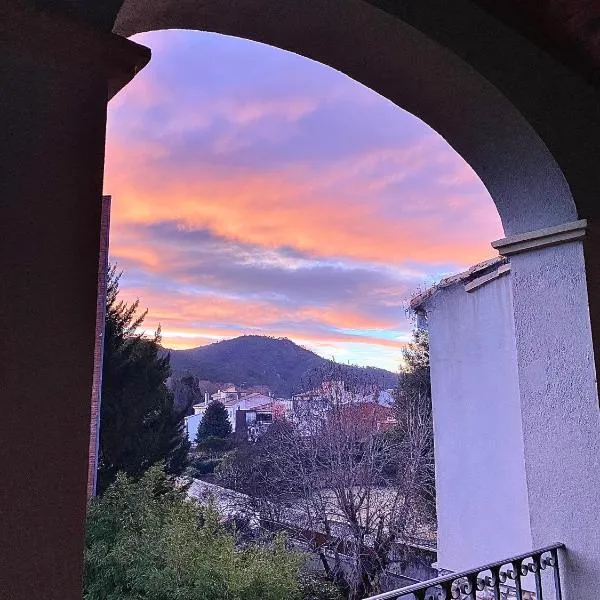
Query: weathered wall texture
point(481, 486)
point(559, 404)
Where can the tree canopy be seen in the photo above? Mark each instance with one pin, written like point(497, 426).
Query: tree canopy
point(414, 414)
point(145, 541)
point(348, 486)
point(138, 422)
point(215, 422)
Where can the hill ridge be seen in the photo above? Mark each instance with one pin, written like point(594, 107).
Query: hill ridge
point(252, 360)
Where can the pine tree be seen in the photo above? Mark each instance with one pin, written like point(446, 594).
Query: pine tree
point(138, 423)
point(215, 422)
point(415, 381)
point(414, 410)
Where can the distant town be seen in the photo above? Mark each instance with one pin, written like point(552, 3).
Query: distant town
point(251, 413)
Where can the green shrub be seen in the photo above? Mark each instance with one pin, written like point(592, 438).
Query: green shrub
point(214, 444)
point(203, 466)
point(313, 587)
point(145, 541)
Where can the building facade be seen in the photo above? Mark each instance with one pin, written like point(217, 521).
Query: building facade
point(482, 502)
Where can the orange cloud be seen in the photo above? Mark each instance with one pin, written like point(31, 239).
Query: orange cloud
point(186, 320)
point(183, 311)
point(312, 163)
point(296, 208)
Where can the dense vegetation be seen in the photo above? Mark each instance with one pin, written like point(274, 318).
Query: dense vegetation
point(350, 484)
point(145, 541)
point(412, 401)
point(138, 421)
point(253, 360)
point(215, 423)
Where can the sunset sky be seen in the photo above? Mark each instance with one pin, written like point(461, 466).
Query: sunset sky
point(255, 191)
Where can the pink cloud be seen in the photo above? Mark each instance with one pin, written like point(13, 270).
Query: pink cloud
point(300, 209)
point(262, 149)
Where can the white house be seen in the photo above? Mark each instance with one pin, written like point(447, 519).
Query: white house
point(234, 400)
point(228, 394)
point(191, 425)
point(245, 402)
point(482, 502)
point(191, 422)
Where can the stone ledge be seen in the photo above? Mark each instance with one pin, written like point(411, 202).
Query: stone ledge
point(477, 283)
point(541, 238)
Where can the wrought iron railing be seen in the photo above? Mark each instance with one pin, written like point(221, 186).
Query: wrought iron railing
point(496, 581)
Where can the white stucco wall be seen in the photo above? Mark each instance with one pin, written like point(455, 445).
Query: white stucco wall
point(483, 512)
point(191, 425)
point(560, 410)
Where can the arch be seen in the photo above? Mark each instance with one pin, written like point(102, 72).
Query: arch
point(529, 126)
point(508, 144)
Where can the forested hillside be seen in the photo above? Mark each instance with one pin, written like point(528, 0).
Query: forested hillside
point(253, 360)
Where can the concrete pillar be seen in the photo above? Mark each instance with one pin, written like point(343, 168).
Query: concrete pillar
point(55, 80)
point(559, 396)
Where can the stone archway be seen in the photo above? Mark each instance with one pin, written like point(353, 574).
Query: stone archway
point(528, 124)
point(530, 128)
point(412, 70)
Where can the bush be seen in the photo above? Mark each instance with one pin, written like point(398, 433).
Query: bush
point(213, 445)
point(203, 466)
point(145, 541)
point(313, 587)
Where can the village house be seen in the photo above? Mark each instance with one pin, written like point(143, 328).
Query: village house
point(230, 393)
point(477, 416)
point(369, 416)
point(315, 404)
point(255, 421)
point(252, 409)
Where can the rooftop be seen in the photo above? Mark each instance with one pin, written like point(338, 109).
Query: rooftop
point(471, 273)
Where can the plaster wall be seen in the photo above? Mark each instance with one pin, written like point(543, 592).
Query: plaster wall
point(231, 414)
point(480, 469)
point(559, 403)
point(191, 425)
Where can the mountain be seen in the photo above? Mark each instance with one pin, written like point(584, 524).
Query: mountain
point(252, 360)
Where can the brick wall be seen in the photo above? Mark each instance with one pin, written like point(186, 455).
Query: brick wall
point(99, 346)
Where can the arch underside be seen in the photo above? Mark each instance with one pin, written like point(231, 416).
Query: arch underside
point(517, 132)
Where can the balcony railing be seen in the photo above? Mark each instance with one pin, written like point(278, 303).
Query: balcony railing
point(496, 581)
